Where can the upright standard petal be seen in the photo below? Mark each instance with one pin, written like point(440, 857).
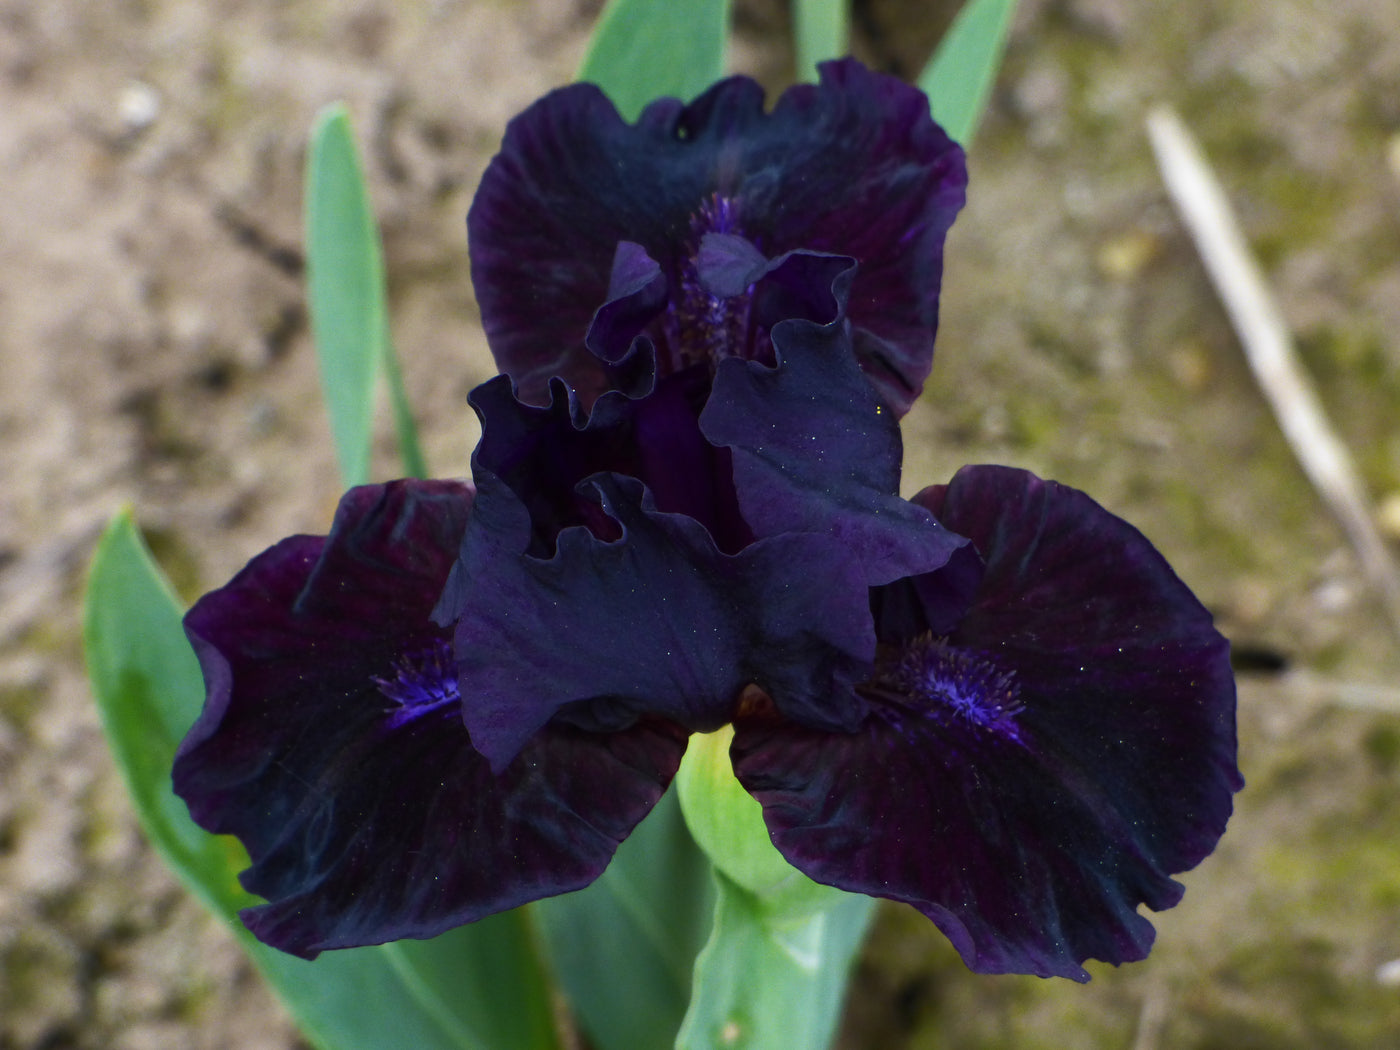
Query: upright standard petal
point(1033, 776)
point(332, 743)
point(851, 166)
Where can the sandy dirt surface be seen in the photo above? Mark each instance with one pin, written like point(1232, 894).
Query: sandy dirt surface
point(155, 352)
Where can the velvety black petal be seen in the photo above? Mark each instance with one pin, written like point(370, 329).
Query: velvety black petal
point(799, 284)
point(332, 743)
point(882, 183)
point(1122, 668)
point(852, 166)
point(543, 230)
point(815, 450)
point(1078, 749)
point(657, 622)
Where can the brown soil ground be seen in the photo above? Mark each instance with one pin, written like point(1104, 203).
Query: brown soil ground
point(155, 352)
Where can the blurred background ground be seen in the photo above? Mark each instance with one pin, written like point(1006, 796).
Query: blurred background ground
point(153, 349)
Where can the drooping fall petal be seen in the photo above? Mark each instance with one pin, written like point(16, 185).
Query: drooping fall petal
point(332, 743)
point(1033, 776)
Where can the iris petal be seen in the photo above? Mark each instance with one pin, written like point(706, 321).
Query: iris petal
point(1031, 827)
point(851, 166)
point(541, 454)
point(727, 264)
point(659, 622)
point(636, 294)
point(1130, 674)
point(815, 450)
point(334, 748)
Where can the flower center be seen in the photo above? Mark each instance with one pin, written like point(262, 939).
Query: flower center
point(700, 326)
point(956, 683)
point(421, 680)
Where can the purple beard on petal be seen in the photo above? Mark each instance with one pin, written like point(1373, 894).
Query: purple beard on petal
point(699, 327)
point(421, 680)
point(948, 683)
point(724, 295)
point(722, 299)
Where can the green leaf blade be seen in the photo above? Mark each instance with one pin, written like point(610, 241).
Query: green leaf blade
point(371, 998)
point(624, 948)
point(149, 688)
point(405, 428)
point(643, 49)
point(766, 982)
point(821, 30)
point(958, 79)
point(345, 289)
point(476, 988)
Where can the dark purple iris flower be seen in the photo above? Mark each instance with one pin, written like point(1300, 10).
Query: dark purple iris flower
point(995, 701)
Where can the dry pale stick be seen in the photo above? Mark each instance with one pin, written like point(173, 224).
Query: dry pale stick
point(1269, 348)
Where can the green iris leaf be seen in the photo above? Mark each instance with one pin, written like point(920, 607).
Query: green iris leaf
point(625, 947)
point(821, 30)
point(959, 77)
point(644, 49)
point(349, 313)
point(772, 974)
point(772, 982)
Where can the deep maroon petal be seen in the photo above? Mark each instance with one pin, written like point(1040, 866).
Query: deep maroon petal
point(658, 621)
point(851, 166)
point(1043, 770)
point(411, 834)
point(571, 181)
point(813, 286)
point(815, 450)
point(332, 743)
